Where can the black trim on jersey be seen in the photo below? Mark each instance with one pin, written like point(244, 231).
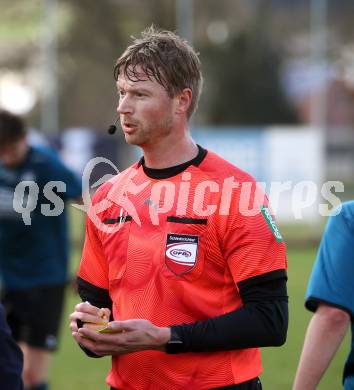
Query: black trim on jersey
point(98, 297)
point(259, 279)
point(262, 321)
point(312, 304)
point(187, 220)
point(166, 173)
point(112, 221)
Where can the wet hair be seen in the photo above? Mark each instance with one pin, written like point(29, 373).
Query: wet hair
point(165, 57)
point(12, 128)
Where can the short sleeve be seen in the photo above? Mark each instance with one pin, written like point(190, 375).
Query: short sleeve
point(252, 243)
point(332, 276)
point(93, 266)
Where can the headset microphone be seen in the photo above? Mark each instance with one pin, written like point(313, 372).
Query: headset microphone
point(113, 128)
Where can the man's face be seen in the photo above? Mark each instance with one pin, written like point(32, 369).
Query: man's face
point(12, 154)
point(146, 111)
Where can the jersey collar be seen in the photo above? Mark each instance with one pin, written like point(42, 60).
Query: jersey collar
point(166, 173)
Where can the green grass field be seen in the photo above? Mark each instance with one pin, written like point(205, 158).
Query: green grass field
point(72, 370)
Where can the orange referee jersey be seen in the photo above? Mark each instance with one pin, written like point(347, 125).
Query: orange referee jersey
point(172, 251)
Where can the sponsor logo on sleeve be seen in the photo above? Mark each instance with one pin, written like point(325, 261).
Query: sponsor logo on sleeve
point(271, 223)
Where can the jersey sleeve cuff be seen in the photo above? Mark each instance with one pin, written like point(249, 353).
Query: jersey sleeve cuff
point(312, 304)
point(263, 278)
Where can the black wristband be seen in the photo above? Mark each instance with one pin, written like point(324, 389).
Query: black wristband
point(175, 344)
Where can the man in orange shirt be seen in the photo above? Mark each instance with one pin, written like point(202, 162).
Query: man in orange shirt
point(192, 278)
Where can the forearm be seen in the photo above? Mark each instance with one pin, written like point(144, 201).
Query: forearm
point(261, 321)
point(254, 325)
point(323, 337)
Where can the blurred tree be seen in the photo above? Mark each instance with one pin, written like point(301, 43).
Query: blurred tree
point(242, 84)
point(98, 33)
point(87, 54)
point(242, 76)
point(19, 22)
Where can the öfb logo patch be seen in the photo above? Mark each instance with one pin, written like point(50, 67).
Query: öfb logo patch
point(181, 252)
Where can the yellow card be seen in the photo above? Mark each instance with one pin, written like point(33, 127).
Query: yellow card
point(107, 329)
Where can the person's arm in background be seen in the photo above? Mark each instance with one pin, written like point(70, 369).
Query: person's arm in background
point(73, 193)
point(324, 335)
point(57, 171)
point(330, 296)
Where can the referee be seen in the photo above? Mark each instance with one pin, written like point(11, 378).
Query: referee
point(194, 281)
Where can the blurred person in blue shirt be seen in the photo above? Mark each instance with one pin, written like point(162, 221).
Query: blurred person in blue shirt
point(330, 295)
point(34, 244)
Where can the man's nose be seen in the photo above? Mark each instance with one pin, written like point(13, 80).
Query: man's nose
point(124, 106)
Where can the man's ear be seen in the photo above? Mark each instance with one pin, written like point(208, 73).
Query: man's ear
point(183, 101)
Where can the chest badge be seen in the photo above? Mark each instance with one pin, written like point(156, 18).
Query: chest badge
point(181, 252)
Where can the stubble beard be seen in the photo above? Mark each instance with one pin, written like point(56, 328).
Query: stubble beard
point(148, 135)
